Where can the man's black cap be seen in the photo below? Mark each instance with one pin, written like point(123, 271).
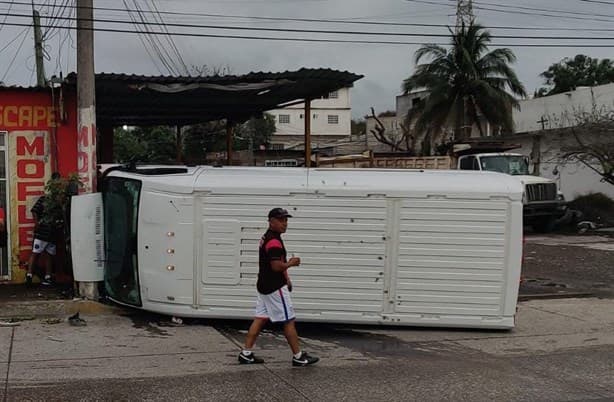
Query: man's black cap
point(279, 213)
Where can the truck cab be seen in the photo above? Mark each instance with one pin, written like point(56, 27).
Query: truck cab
point(543, 203)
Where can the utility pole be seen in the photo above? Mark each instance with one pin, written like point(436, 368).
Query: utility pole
point(86, 112)
point(38, 50)
point(464, 14)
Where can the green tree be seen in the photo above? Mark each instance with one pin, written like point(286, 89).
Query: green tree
point(464, 81)
point(145, 144)
point(258, 131)
point(201, 138)
point(570, 73)
point(198, 139)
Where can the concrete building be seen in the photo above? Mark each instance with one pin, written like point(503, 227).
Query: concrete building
point(562, 110)
point(540, 130)
point(331, 118)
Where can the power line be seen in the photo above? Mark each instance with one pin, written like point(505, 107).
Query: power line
point(598, 1)
point(142, 40)
point(335, 21)
point(545, 10)
point(595, 17)
point(354, 41)
point(17, 52)
point(169, 38)
point(14, 39)
point(157, 46)
point(6, 16)
point(145, 23)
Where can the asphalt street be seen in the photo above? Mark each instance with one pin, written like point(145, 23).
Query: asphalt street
point(561, 350)
point(568, 264)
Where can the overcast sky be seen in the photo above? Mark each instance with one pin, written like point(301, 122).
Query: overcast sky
point(383, 65)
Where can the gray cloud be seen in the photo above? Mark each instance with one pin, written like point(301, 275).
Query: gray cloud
point(384, 66)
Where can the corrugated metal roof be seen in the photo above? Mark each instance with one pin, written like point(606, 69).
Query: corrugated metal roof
point(151, 100)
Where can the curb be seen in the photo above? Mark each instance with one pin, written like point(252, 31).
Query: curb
point(55, 308)
point(545, 296)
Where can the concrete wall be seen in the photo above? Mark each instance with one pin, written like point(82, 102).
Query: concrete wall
point(392, 126)
point(573, 179)
point(559, 111)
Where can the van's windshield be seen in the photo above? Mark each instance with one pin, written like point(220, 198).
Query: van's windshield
point(121, 206)
point(510, 164)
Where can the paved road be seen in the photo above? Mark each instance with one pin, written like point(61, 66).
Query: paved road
point(561, 350)
point(563, 264)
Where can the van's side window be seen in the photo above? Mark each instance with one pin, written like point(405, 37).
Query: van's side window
point(467, 163)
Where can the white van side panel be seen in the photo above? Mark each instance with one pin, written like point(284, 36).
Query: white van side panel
point(342, 242)
point(451, 258)
point(403, 248)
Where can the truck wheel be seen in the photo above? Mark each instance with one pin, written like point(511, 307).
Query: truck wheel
point(544, 225)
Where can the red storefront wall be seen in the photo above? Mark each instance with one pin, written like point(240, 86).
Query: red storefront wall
point(41, 137)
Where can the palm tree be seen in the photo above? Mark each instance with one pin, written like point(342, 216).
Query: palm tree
point(464, 81)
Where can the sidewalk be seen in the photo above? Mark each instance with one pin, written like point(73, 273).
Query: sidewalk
point(20, 302)
point(560, 350)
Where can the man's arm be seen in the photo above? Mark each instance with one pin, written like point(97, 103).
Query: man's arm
point(280, 266)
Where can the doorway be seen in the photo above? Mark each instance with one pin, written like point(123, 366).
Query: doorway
point(5, 249)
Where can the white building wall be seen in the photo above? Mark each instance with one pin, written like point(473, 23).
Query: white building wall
point(392, 126)
point(559, 111)
point(573, 179)
point(324, 124)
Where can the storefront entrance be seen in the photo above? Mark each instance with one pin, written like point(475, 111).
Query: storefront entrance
point(5, 271)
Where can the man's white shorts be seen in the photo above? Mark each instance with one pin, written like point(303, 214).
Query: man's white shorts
point(276, 306)
point(40, 246)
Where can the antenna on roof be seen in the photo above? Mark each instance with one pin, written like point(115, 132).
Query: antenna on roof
point(464, 14)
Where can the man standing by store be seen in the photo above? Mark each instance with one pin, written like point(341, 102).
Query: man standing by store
point(45, 233)
point(274, 301)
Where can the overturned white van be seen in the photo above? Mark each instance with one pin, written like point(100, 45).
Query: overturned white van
point(423, 248)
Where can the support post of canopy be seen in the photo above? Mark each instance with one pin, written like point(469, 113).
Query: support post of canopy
point(229, 134)
point(307, 115)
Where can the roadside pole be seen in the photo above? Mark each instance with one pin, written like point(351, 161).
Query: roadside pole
point(86, 116)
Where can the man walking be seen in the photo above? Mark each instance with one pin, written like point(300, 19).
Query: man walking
point(274, 301)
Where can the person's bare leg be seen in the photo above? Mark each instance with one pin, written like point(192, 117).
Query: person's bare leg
point(31, 262)
point(292, 336)
point(254, 331)
point(48, 264)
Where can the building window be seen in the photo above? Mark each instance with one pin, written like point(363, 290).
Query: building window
point(276, 147)
point(333, 119)
point(333, 95)
point(284, 119)
point(281, 162)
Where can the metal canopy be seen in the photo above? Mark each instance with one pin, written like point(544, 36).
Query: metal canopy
point(160, 100)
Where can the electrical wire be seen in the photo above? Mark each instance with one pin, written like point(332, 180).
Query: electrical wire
point(14, 39)
point(146, 24)
point(16, 53)
point(354, 41)
point(336, 21)
point(478, 7)
point(6, 16)
point(170, 39)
